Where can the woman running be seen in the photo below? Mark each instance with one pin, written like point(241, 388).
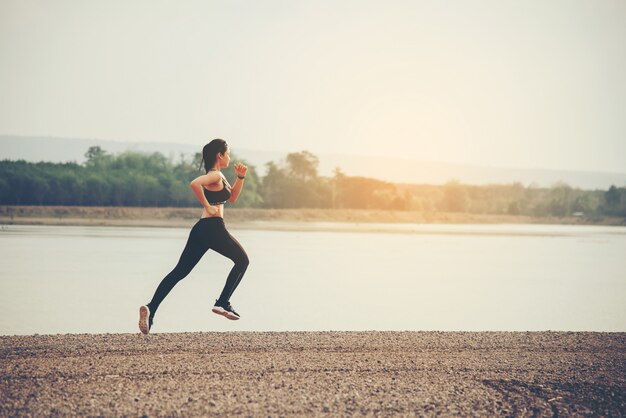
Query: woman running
point(212, 190)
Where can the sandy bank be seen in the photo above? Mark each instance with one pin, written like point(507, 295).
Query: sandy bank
point(300, 219)
point(314, 373)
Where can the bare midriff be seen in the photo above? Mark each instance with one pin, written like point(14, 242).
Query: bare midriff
point(220, 212)
point(220, 206)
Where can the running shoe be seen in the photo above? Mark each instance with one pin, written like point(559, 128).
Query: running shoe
point(145, 319)
point(225, 309)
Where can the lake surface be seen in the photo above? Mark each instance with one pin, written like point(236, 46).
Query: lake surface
point(74, 279)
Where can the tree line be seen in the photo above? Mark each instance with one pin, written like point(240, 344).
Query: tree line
point(152, 180)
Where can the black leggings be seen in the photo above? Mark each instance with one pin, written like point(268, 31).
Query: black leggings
point(207, 233)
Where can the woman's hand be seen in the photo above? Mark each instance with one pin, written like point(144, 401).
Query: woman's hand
point(210, 211)
point(240, 170)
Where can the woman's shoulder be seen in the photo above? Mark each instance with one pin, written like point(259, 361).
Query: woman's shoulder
point(210, 177)
point(225, 180)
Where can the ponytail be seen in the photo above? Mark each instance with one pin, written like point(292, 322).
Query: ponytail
point(210, 151)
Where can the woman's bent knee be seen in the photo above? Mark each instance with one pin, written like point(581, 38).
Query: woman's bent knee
point(243, 262)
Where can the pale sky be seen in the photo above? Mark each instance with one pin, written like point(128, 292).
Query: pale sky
point(526, 83)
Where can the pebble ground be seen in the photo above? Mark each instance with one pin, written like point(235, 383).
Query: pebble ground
point(314, 373)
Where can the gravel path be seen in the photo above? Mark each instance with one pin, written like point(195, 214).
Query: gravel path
point(314, 373)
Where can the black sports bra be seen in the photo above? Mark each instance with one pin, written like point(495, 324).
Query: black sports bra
point(219, 197)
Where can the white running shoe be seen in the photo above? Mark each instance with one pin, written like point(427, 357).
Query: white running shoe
point(145, 320)
point(225, 309)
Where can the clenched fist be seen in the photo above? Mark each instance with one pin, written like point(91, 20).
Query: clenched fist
point(240, 169)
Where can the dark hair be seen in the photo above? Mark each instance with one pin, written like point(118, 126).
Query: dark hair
point(210, 151)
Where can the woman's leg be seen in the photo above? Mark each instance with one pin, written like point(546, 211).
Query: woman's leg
point(197, 245)
point(229, 247)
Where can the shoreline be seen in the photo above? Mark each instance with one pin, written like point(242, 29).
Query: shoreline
point(314, 373)
point(274, 219)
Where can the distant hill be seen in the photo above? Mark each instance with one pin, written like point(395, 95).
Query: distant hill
point(390, 169)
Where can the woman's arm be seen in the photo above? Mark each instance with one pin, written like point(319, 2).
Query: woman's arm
point(236, 190)
point(241, 171)
point(197, 185)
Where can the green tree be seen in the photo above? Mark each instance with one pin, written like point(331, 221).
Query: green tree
point(302, 165)
point(96, 191)
point(454, 198)
point(612, 198)
point(560, 200)
point(96, 157)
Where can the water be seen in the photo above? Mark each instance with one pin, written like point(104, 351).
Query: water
point(71, 279)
